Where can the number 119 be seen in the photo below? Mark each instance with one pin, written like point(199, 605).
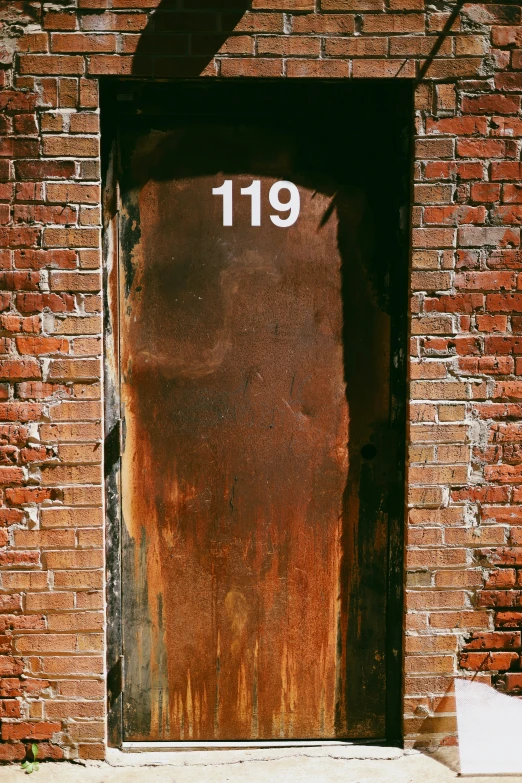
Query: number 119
point(292, 206)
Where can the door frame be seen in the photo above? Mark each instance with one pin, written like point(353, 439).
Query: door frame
point(114, 434)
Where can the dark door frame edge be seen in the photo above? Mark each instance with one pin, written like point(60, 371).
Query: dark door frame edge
point(113, 428)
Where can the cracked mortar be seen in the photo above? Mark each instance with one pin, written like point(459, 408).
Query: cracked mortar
point(333, 764)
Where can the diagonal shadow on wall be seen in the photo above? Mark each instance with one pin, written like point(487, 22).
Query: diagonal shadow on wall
point(181, 40)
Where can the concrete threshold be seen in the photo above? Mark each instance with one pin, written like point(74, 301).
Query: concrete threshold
point(331, 763)
point(171, 754)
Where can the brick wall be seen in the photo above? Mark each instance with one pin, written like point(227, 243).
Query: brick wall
point(464, 539)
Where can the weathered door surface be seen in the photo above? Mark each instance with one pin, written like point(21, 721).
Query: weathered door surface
point(257, 465)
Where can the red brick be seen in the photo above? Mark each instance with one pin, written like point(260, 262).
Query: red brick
point(13, 147)
point(33, 42)
point(498, 640)
point(507, 215)
point(78, 709)
point(71, 237)
point(488, 661)
point(88, 93)
point(289, 45)
point(504, 303)
point(486, 192)
point(66, 193)
point(479, 236)
point(77, 621)
point(481, 148)
point(23, 236)
point(70, 146)
point(25, 124)
point(19, 369)
point(513, 682)
point(509, 81)
point(12, 751)
point(29, 191)
point(44, 169)
point(46, 65)
point(454, 215)
point(18, 497)
point(516, 61)
point(71, 517)
point(38, 213)
point(41, 345)
point(503, 345)
point(83, 42)
point(468, 170)
point(84, 689)
point(508, 170)
point(67, 369)
point(49, 752)
point(457, 126)
point(511, 193)
point(12, 101)
point(433, 237)
point(37, 303)
point(485, 281)
point(36, 390)
point(454, 67)
point(506, 556)
point(11, 475)
point(501, 577)
point(491, 104)
point(76, 664)
point(465, 619)
point(84, 123)
point(72, 559)
point(38, 259)
point(79, 580)
point(29, 731)
point(10, 516)
point(34, 454)
point(11, 558)
point(231, 67)
point(505, 619)
point(507, 126)
point(75, 281)
point(59, 21)
point(20, 412)
point(10, 708)
point(92, 750)
point(17, 622)
point(356, 47)
point(505, 390)
point(106, 22)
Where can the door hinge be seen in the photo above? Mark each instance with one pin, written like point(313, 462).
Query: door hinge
point(115, 680)
point(113, 446)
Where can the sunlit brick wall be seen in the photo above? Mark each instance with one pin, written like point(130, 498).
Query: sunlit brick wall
point(464, 538)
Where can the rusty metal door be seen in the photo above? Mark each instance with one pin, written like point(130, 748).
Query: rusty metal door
point(255, 353)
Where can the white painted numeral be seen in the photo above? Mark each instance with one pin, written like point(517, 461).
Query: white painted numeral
point(254, 190)
point(293, 204)
point(226, 191)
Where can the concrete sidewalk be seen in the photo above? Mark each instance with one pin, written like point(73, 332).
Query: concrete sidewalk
point(334, 764)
